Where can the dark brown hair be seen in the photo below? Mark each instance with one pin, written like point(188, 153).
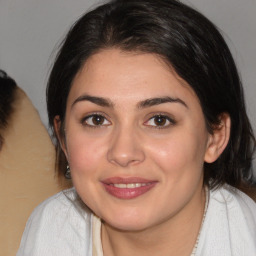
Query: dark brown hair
point(7, 95)
point(194, 48)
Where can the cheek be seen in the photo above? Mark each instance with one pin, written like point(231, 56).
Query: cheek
point(179, 154)
point(84, 153)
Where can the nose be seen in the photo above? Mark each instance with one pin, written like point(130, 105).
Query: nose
point(125, 148)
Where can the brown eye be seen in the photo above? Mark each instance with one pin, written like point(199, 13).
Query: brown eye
point(160, 120)
point(96, 120)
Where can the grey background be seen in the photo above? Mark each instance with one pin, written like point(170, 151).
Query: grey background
point(30, 30)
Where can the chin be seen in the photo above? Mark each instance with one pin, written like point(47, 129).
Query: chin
point(128, 222)
point(128, 226)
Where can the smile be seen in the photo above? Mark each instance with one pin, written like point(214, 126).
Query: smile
point(127, 188)
point(130, 185)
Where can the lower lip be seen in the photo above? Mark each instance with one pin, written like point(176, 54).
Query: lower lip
point(128, 193)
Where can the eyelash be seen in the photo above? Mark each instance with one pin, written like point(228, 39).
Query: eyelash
point(166, 118)
point(86, 118)
point(163, 116)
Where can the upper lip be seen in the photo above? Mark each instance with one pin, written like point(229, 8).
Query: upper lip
point(126, 180)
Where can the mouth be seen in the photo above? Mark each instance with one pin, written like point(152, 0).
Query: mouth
point(127, 188)
point(130, 185)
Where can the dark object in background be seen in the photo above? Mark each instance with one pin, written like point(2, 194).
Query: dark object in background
point(7, 95)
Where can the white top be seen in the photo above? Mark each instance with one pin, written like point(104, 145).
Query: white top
point(62, 225)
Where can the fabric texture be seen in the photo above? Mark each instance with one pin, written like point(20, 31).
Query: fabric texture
point(96, 237)
point(62, 225)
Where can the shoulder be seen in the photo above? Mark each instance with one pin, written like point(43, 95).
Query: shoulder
point(236, 206)
point(66, 201)
point(65, 205)
point(57, 227)
point(230, 224)
point(235, 201)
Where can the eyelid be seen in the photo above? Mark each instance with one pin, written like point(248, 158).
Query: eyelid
point(86, 117)
point(171, 121)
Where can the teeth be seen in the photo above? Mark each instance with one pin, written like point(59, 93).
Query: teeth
point(120, 185)
point(131, 185)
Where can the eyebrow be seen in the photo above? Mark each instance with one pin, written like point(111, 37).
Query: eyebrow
point(160, 100)
point(104, 102)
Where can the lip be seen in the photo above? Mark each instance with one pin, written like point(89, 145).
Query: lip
point(142, 186)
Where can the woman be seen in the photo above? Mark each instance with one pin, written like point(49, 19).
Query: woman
point(147, 107)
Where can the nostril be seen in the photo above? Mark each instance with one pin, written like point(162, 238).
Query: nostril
point(122, 160)
point(125, 157)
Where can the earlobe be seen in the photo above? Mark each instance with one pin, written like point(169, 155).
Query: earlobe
point(60, 135)
point(219, 139)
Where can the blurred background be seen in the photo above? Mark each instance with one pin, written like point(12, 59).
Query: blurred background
point(30, 31)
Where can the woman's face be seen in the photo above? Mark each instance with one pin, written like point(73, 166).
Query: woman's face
point(136, 140)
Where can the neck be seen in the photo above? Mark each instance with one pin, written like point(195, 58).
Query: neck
point(175, 236)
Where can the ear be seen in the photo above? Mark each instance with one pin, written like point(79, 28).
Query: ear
point(219, 139)
point(60, 134)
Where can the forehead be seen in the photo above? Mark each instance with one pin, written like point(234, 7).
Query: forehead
point(128, 76)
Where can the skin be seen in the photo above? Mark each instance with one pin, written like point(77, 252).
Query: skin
point(127, 141)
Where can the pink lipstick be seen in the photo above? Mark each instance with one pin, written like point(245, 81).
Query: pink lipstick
point(127, 188)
